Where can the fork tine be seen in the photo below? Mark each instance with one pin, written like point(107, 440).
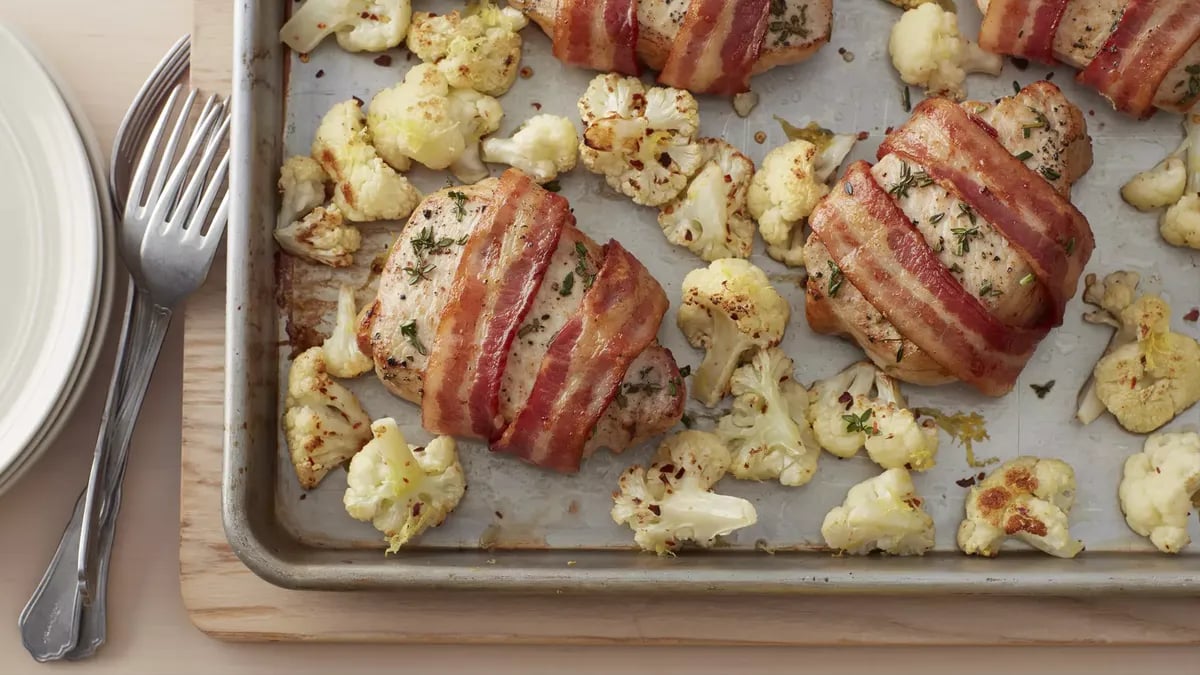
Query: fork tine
point(168, 155)
point(217, 225)
point(135, 198)
point(200, 214)
point(199, 176)
point(166, 199)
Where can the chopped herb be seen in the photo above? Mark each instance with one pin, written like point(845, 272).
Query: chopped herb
point(688, 421)
point(936, 218)
point(1070, 245)
point(425, 244)
point(956, 268)
point(900, 354)
point(860, 422)
point(1042, 389)
point(905, 99)
point(409, 330)
point(835, 279)
point(849, 189)
point(909, 180)
point(963, 238)
point(534, 326)
point(986, 290)
point(463, 239)
point(1049, 173)
point(1025, 155)
point(418, 271)
point(460, 203)
point(1193, 82)
point(784, 28)
point(1016, 87)
point(581, 266)
point(553, 186)
point(965, 209)
point(685, 371)
point(673, 385)
point(1028, 279)
point(1039, 122)
point(567, 285)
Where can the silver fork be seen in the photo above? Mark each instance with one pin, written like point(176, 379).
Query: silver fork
point(173, 210)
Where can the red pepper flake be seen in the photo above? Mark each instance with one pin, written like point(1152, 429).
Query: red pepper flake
point(981, 476)
point(862, 135)
point(889, 130)
point(1133, 383)
point(536, 105)
point(1091, 113)
point(653, 508)
point(1193, 315)
point(320, 73)
point(384, 60)
point(526, 72)
point(499, 515)
point(965, 482)
point(304, 57)
point(357, 100)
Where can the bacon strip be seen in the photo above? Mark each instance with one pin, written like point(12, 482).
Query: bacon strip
point(717, 46)
point(585, 364)
point(961, 153)
point(499, 274)
point(598, 34)
point(886, 258)
point(1149, 40)
point(1024, 28)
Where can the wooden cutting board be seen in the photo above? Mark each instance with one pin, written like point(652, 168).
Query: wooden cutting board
point(226, 600)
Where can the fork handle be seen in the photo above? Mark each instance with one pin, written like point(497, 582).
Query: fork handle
point(145, 329)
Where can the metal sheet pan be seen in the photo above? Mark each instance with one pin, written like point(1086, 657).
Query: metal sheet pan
point(521, 529)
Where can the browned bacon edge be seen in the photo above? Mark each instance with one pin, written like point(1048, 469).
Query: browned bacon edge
point(598, 34)
point(717, 46)
point(1024, 28)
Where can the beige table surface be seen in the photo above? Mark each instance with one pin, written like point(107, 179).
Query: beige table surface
point(104, 49)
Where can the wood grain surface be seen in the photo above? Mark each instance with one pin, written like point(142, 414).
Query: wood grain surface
point(226, 600)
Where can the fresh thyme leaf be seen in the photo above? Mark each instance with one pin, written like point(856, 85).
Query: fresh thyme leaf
point(462, 240)
point(1042, 389)
point(860, 422)
point(900, 354)
point(956, 268)
point(1039, 122)
point(1050, 174)
point(1027, 279)
point(582, 270)
point(1025, 155)
point(1070, 245)
point(966, 210)
point(534, 326)
point(567, 285)
point(987, 290)
point(909, 180)
point(835, 279)
point(418, 272)
point(425, 243)
point(963, 238)
point(460, 203)
point(409, 330)
point(905, 99)
point(937, 218)
point(685, 371)
point(1016, 87)
point(553, 186)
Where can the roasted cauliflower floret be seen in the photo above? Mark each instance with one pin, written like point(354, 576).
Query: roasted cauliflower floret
point(301, 189)
point(323, 423)
point(1173, 183)
point(1157, 488)
point(425, 119)
point(641, 141)
point(846, 417)
point(360, 25)
point(478, 49)
point(342, 355)
point(1027, 498)
point(400, 489)
point(1148, 374)
point(928, 51)
point(730, 310)
point(1159, 186)
point(1180, 223)
point(672, 501)
point(544, 147)
point(880, 514)
point(365, 187)
point(710, 217)
point(784, 191)
point(767, 430)
point(322, 236)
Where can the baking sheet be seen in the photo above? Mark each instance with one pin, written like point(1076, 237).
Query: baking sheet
point(848, 86)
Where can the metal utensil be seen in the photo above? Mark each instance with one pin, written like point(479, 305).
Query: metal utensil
point(173, 209)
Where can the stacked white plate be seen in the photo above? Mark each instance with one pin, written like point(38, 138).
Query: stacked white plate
point(57, 261)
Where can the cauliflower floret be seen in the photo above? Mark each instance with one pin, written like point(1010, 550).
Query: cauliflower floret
point(324, 423)
point(880, 514)
point(928, 52)
point(672, 501)
point(710, 217)
point(478, 49)
point(544, 146)
point(342, 355)
point(845, 417)
point(784, 191)
point(360, 25)
point(1159, 186)
point(301, 189)
point(1027, 498)
point(1157, 487)
point(1180, 223)
point(322, 236)
point(730, 310)
point(366, 188)
point(425, 119)
point(642, 142)
point(403, 490)
point(767, 430)
point(1148, 374)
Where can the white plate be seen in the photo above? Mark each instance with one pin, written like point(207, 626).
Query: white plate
point(53, 267)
